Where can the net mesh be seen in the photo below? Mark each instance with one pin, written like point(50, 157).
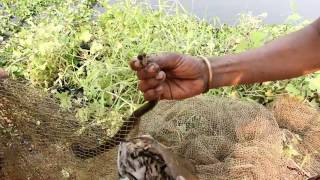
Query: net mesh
point(224, 138)
point(234, 139)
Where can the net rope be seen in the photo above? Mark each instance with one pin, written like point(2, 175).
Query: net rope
point(224, 138)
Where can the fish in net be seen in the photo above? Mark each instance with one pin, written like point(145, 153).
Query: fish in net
point(221, 138)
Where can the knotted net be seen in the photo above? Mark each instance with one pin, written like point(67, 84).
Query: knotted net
point(223, 138)
point(233, 139)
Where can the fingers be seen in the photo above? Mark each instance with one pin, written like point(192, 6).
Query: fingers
point(153, 75)
point(152, 83)
point(164, 61)
point(3, 74)
point(152, 88)
point(135, 64)
point(153, 94)
point(151, 71)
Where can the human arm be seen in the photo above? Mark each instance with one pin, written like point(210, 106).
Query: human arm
point(293, 55)
point(177, 76)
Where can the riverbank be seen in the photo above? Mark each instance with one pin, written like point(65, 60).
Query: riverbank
point(85, 63)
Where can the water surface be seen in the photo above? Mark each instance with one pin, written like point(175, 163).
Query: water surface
point(228, 10)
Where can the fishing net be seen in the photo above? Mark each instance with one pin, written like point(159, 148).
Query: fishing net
point(223, 138)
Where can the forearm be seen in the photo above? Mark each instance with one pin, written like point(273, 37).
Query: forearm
point(291, 56)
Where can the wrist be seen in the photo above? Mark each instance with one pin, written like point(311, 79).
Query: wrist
point(227, 70)
point(215, 70)
point(221, 71)
point(207, 75)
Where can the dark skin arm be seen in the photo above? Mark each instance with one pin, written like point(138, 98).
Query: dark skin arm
point(291, 56)
point(177, 76)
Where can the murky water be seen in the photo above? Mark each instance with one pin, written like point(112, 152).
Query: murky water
point(228, 10)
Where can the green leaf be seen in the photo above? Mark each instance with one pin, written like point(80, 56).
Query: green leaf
point(294, 17)
point(291, 89)
point(314, 84)
point(85, 36)
point(243, 45)
point(96, 47)
point(65, 100)
point(258, 38)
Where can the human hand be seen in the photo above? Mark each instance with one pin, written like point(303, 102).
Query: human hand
point(171, 76)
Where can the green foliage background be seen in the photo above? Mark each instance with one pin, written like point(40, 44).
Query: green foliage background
point(81, 56)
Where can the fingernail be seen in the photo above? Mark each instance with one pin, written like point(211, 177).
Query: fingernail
point(160, 76)
point(137, 63)
point(151, 69)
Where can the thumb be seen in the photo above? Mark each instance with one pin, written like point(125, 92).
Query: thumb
point(167, 61)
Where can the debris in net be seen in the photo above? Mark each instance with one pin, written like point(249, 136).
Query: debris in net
point(224, 138)
point(145, 158)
